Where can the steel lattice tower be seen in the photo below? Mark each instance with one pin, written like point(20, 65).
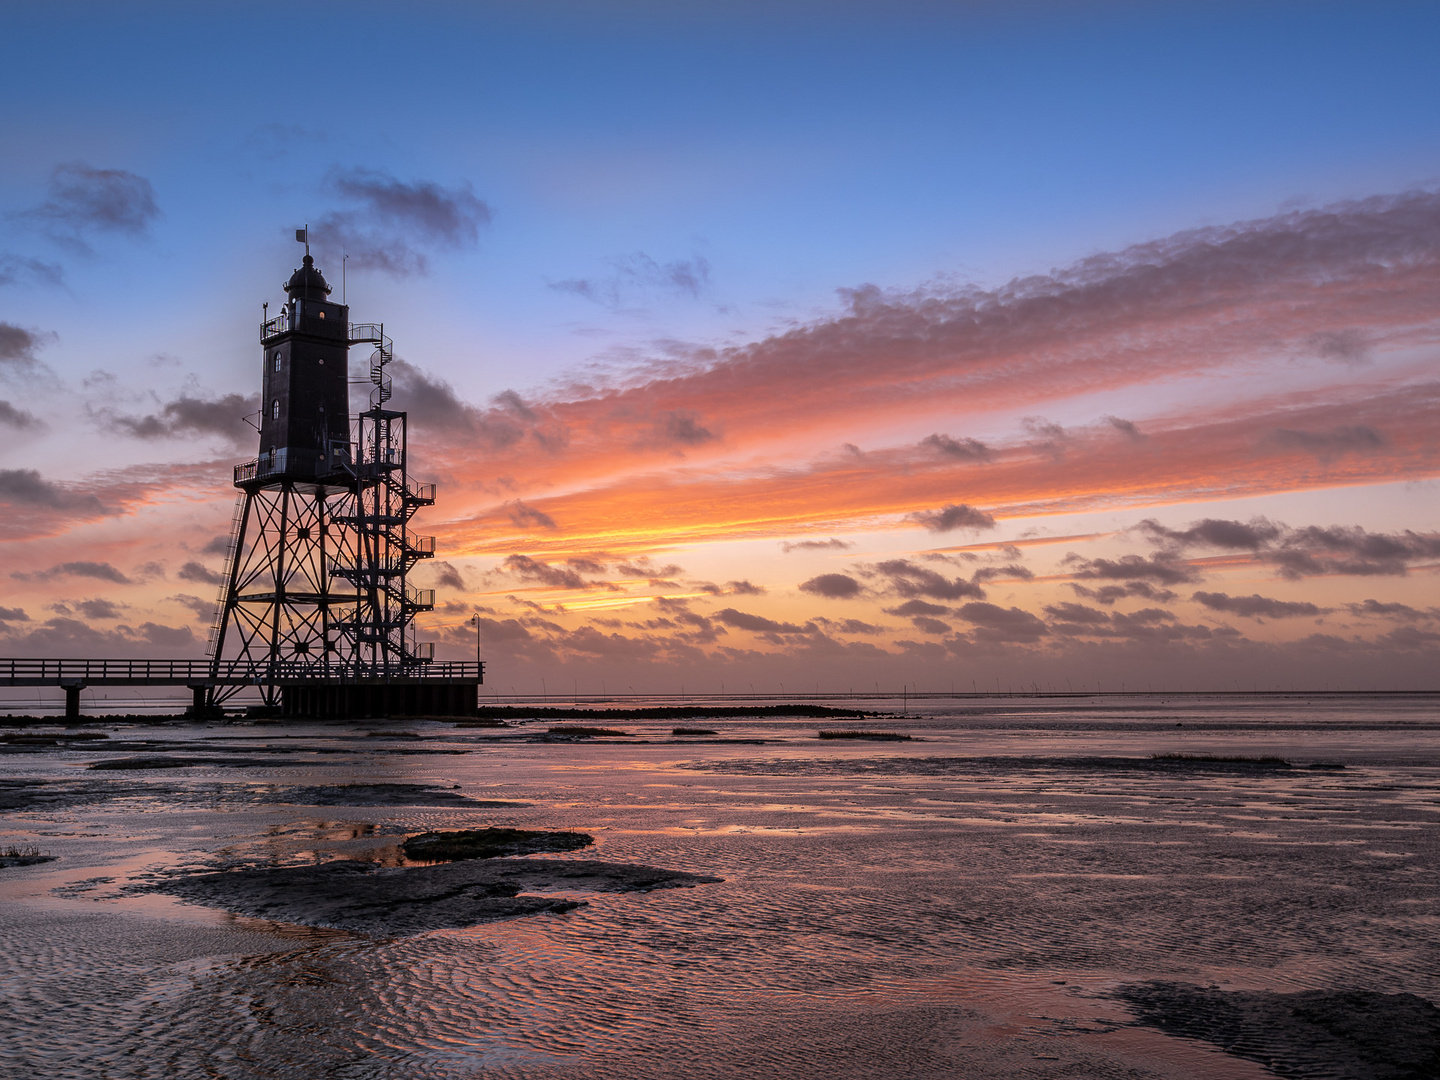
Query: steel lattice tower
point(315, 594)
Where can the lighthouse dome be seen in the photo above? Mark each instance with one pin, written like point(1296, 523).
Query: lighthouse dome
point(307, 283)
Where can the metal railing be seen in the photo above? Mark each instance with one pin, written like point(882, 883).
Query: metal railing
point(53, 672)
point(368, 332)
point(276, 326)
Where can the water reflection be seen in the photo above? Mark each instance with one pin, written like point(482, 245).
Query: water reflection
point(881, 915)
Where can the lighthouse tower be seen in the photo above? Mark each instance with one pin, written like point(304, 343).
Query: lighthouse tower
point(305, 407)
point(316, 605)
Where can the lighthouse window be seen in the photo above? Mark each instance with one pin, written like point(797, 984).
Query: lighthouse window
point(277, 361)
point(275, 410)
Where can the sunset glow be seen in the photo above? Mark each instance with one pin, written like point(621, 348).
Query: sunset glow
point(758, 384)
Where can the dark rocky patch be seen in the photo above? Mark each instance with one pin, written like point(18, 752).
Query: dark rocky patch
point(1340, 1035)
point(666, 712)
point(490, 843)
point(7, 861)
point(369, 899)
point(949, 766)
point(26, 855)
point(154, 761)
point(876, 736)
point(379, 795)
point(1266, 760)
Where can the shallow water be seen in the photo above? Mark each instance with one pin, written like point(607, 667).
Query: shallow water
point(914, 909)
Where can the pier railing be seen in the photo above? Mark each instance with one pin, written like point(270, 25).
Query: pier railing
point(54, 672)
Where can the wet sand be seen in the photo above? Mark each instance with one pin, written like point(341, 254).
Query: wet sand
point(1023, 890)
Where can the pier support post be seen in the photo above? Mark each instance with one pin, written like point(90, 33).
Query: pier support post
point(197, 700)
point(72, 700)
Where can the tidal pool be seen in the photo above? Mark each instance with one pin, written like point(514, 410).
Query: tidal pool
point(1018, 891)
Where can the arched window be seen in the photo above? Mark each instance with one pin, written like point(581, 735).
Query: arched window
point(275, 410)
point(277, 361)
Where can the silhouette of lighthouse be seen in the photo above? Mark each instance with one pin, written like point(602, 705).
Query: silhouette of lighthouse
point(316, 602)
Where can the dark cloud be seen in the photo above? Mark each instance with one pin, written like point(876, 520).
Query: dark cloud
point(1356, 439)
point(80, 568)
point(643, 568)
point(1376, 609)
point(523, 566)
point(201, 609)
point(682, 427)
point(13, 614)
point(849, 626)
point(523, 516)
point(963, 449)
point(1109, 594)
point(1216, 532)
point(917, 607)
point(15, 269)
point(741, 620)
point(743, 588)
point(1079, 614)
point(1256, 606)
point(84, 201)
point(390, 225)
point(834, 586)
point(18, 419)
point(1306, 552)
point(1009, 571)
point(585, 564)
point(996, 624)
point(1160, 568)
point(28, 487)
point(1148, 624)
point(194, 571)
point(954, 516)
point(98, 609)
point(1340, 346)
point(906, 579)
point(1125, 427)
point(434, 404)
point(930, 626)
point(1048, 435)
point(18, 345)
point(171, 636)
point(189, 415)
point(731, 588)
point(499, 631)
point(1349, 550)
point(514, 403)
point(217, 545)
point(637, 278)
point(447, 576)
point(815, 545)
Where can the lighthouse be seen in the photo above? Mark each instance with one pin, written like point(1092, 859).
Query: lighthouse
point(316, 609)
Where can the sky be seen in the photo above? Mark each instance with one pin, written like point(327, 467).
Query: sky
point(756, 347)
